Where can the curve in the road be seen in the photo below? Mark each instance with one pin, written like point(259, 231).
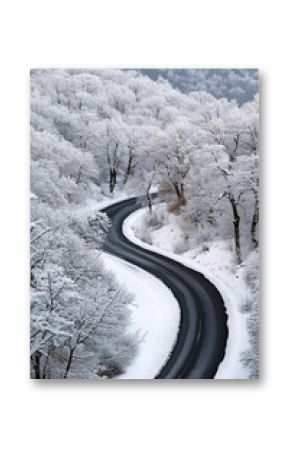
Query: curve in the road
point(201, 341)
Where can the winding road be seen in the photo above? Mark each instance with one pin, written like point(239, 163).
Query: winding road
point(201, 341)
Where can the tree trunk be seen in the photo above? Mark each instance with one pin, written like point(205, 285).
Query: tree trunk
point(180, 193)
point(149, 199)
point(70, 359)
point(183, 200)
point(113, 179)
point(36, 364)
point(233, 153)
point(45, 371)
point(255, 221)
point(78, 178)
point(129, 167)
point(236, 224)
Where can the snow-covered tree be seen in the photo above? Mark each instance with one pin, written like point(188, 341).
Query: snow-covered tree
point(73, 299)
point(171, 150)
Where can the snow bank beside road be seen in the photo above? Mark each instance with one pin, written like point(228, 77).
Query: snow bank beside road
point(229, 284)
point(155, 315)
point(95, 205)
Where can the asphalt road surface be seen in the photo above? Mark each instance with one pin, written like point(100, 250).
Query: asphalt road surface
point(203, 332)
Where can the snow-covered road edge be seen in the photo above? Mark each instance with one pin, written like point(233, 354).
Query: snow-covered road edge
point(96, 205)
point(155, 316)
point(230, 367)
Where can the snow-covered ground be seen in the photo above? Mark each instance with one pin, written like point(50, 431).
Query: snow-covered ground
point(217, 265)
point(93, 204)
point(155, 315)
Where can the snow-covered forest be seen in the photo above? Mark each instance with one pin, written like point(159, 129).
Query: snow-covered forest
point(98, 135)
